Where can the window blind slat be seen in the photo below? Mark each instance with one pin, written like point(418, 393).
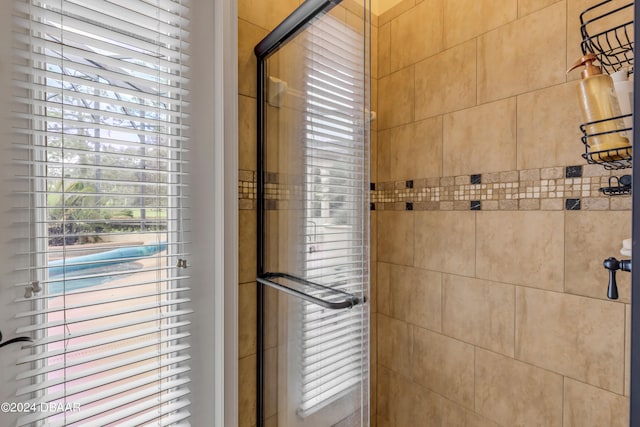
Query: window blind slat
point(161, 415)
point(102, 354)
point(124, 95)
point(101, 302)
point(138, 333)
point(179, 395)
point(91, 385)
point(131, 372)
point(138, 320)
point(93, 24)
point(116, 76)
point(110, 313)
point(79, 127)
point(163, 13)
point(83, 415)
point(344, 367)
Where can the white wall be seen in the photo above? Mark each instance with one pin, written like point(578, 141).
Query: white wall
point(8, 354)
point(214, 184)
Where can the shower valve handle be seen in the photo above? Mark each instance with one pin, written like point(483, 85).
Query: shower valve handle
point(612, 265)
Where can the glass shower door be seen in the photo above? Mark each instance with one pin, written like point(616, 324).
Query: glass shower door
point(313, 222)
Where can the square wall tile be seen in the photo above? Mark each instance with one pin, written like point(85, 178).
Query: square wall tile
point(373, 363)
point(383, 289)
point(588, 406)
point(416, 296)
point(548, 127)
point(445, 241)
point(446, 82)
point(393, 8)
point(374, 103)
point(382, 391)
point(513, 393)
point(521, 248)
point(384, 50)
point(524, 55)
point(409, 402)
point(444, 365)
point(373, 262)
point(480, 139)
point(395, 345)
point(416, 150)
point(373, 160)
point(479, 312)
point(396, 98)
point(247, 135)
point(627, 350)
point(465, 19)
point(384, 155)
point(247, 320)
point(248, 36)
point(395, 237)
point(272, 154)
point(247, 391)
point(373, 53)
point(458, 416)
point(271, 316)
point(247, 246)
point(271, 382)
point(416, 34)
point(526, 7)
point(582, 338)
point(592, 237)
point(266, 14)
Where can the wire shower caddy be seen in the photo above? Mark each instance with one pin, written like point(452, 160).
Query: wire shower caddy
point(607, 32)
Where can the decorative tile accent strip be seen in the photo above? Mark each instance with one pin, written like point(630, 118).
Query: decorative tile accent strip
point(556, 188)
point(531, 189)
point(246, 189)
point(573, 171)
point(281, 191)
point(572, 204)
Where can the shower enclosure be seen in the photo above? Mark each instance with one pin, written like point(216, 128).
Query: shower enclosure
point(312, 207)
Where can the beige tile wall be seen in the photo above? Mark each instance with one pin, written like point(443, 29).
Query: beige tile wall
point(497, 317)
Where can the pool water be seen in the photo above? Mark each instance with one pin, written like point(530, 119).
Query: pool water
point(58, 284)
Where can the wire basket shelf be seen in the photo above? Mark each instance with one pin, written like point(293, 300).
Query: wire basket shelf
point(607, 32)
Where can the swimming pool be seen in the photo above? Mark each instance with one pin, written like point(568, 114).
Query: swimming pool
point(96, 269)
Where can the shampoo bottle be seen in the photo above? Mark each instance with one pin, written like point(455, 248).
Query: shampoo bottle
point(623, 85)
point(607, 140)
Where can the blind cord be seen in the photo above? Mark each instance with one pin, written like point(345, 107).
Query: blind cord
point(14, 340)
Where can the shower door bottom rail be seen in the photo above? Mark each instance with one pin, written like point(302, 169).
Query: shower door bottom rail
point(346, 300)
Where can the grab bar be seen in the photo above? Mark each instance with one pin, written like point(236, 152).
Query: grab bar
point(348, 302)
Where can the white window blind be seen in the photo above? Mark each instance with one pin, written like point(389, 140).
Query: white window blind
point(334, 345)
point(100, 121)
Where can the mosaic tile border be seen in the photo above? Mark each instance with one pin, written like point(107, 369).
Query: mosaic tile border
point(281, 191)
point(556, 188)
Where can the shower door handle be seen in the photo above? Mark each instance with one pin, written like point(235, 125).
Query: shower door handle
point(346, 299)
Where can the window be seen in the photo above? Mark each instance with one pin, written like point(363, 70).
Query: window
point(336, 183)
point(101, 121)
